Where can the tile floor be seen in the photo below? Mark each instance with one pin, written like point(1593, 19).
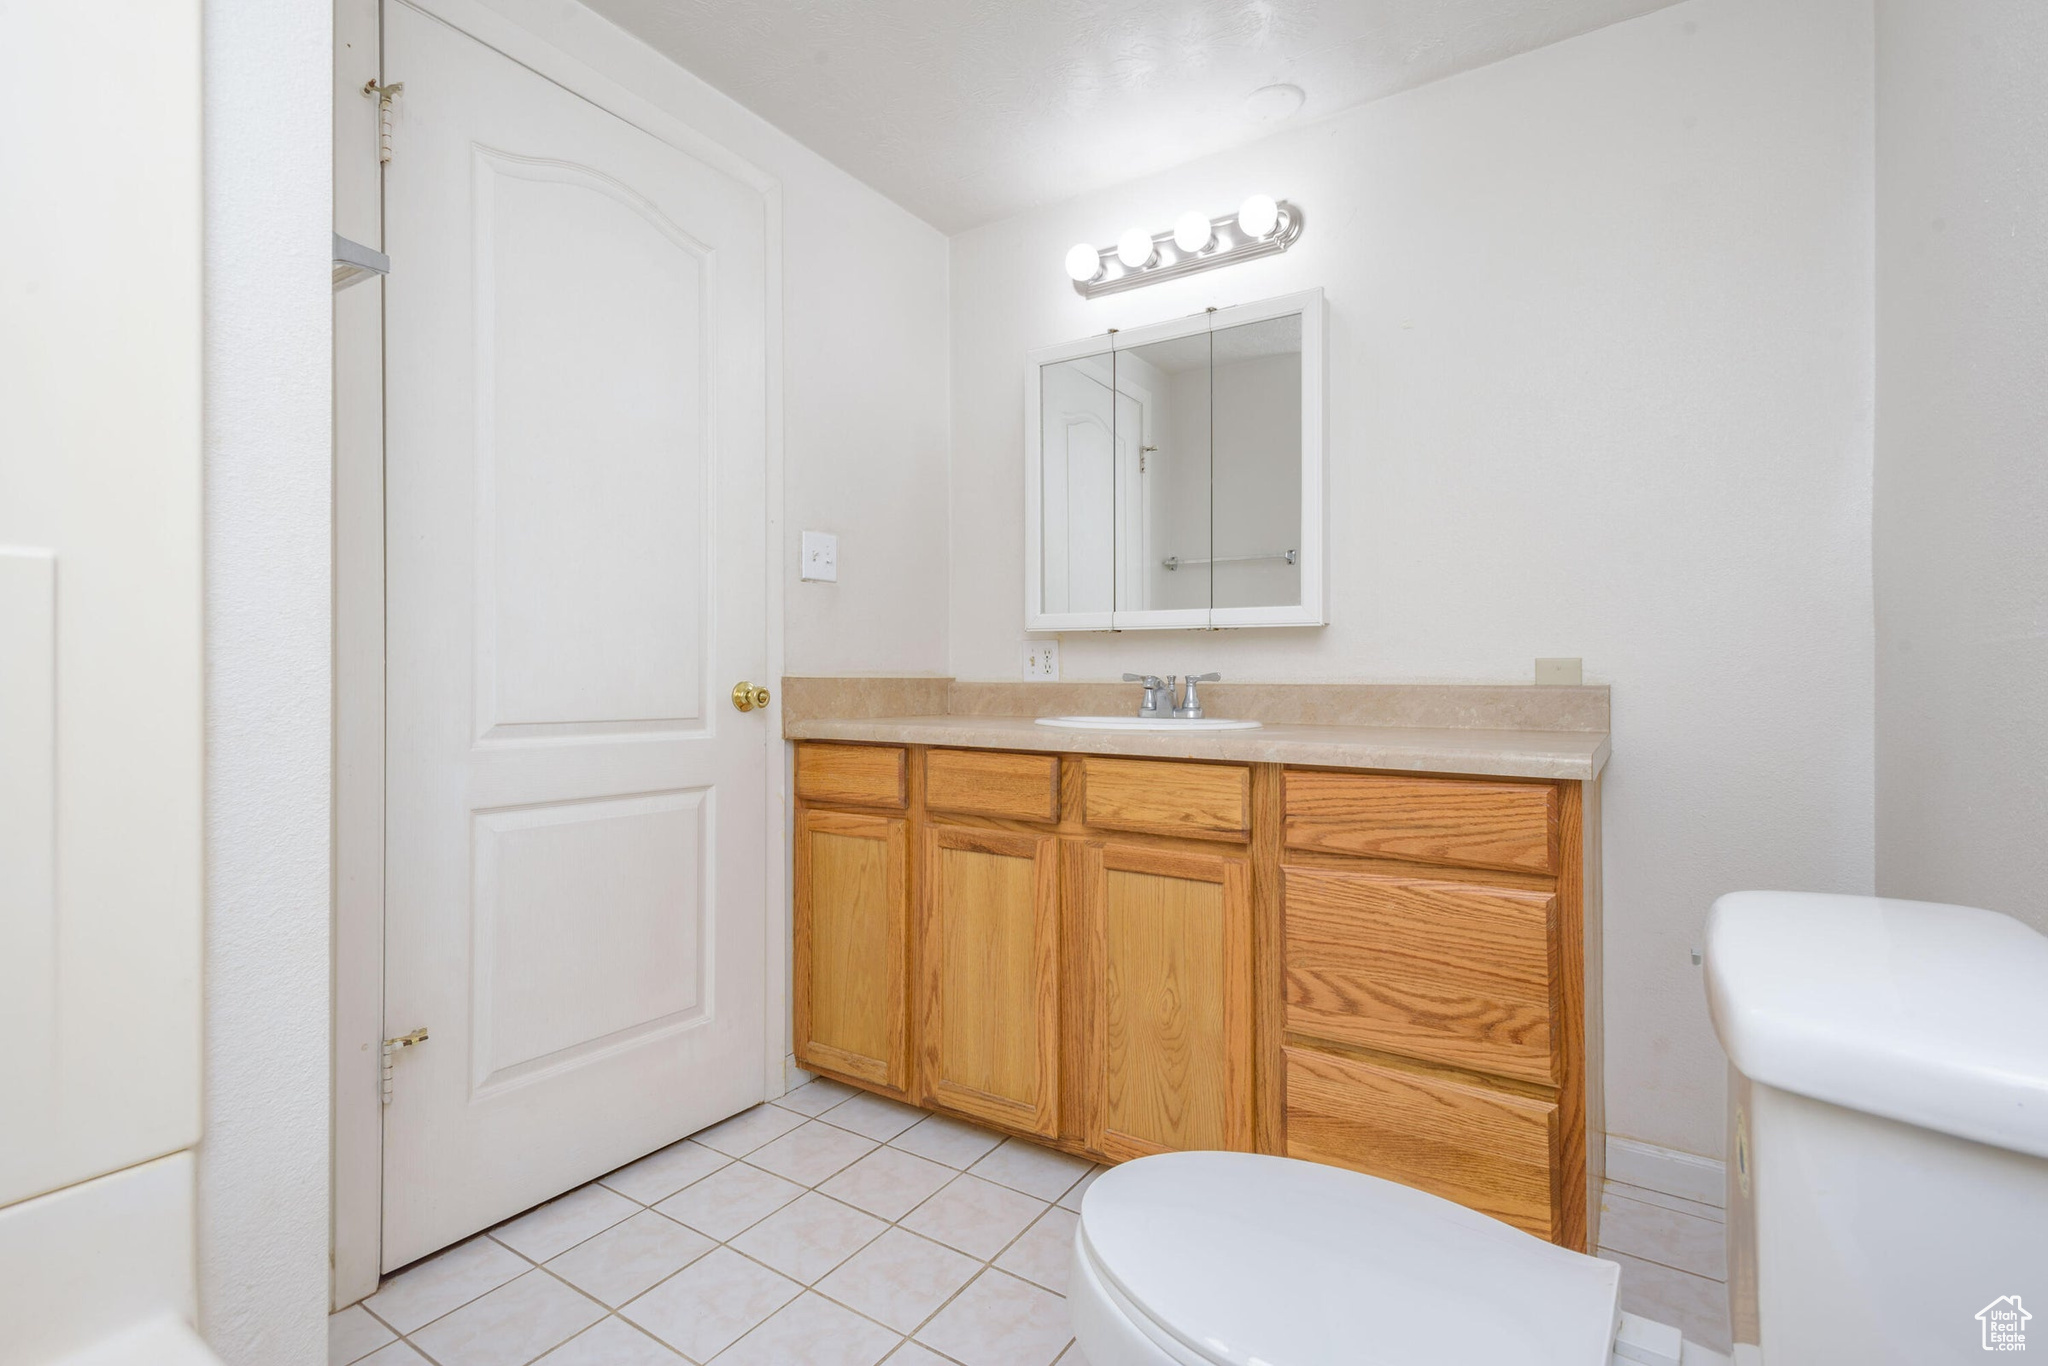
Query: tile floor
point(837, 1228)
point(827, 1228)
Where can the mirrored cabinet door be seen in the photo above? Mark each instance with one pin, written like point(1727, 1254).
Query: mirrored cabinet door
point(1164, 389)
point(1174, 474)
point(1255, 464)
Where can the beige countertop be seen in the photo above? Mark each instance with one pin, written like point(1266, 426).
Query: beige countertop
point(1576, 755)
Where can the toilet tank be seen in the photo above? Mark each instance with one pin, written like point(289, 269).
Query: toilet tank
point(1887, 1128)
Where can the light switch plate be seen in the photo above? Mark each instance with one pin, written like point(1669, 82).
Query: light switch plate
point(1042, 661)
point(821, 557)
point(1568, 673)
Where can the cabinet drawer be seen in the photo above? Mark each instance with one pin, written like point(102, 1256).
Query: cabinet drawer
point(978, 782)
point(1468, 823)
point(860, 775)
point(1488, 1150)
point(1451, 972)
point(1165, 798)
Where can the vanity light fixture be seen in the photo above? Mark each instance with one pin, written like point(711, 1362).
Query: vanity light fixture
point(1261, 226)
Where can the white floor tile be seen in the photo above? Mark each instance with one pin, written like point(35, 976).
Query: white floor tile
point(748, 1130)
point(811, 1331)
point(657, 1176)
point(1694, 1305)
point(1655, 1233)
point(711, 1303)
point(1072, 1199)
point(975, 1216)
point(1073, 1356)
point(816, 1097)
point(899, 1279)
point(1029, 1168)
point(730, 1200)
point(353, 1334)
point(809, 1236)
point(613, 1342)
point(1045, 1252)
point(916, 1354)
point(1000, 1321)
point(942, 1138)
point(875, 1117)
point(564, 1221)
point(629, 1258)
point(397, 1354)
point(810, 1154)
point(510, 1326)
point(888, 1183)
point(426, 1290)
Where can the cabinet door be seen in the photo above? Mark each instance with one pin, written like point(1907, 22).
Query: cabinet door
point(853, 945)
point(1169, 954)
point(988, 977)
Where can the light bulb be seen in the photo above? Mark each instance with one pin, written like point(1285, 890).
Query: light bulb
point(1258, 216)
point(1084, 262)
point(1192, 233)
point(1134, 248)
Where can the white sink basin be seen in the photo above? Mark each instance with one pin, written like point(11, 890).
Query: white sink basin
point(1144, 723)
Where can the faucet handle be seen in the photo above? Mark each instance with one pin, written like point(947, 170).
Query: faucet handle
point(1149, 680)
point(1190, 708)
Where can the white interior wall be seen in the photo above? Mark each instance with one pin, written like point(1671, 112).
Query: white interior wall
point(1961, 539)
point(263, 1157)
point(863, 406)
point(1600, 377)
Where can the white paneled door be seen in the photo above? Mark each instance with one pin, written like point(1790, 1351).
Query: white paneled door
point(575, 499)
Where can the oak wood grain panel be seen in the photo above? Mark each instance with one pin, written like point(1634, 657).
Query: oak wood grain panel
point(852, 945)
point(1467, 822)
point(1490, 1150)
point(1165, 797)
point(1269, 993)
point(989, 1009)
point(1172, 1033)
point(855, 775)
point(1577, 1194)
point(1445, 971)
point(980, 782)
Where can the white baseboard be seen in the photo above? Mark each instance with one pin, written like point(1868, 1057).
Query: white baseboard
point(1666, 1170)
point(792, 1075)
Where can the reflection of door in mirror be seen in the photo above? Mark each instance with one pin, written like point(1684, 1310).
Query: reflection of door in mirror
point(1257, 481)
point(1093, 509)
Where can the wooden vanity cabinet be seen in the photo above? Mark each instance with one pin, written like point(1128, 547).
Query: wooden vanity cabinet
point(1166, 957)
point(1121, 956)
point(988, 983)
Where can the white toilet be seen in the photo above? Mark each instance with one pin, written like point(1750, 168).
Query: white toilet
point(1887, 1181)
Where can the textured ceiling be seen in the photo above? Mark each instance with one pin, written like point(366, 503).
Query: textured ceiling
point(966, 111)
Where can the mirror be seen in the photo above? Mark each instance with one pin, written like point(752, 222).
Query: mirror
point(1174, 474)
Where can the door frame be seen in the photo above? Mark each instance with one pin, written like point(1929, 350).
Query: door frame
point(602, 65)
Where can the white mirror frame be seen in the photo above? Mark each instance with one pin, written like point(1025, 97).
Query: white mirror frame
point(1314, 565)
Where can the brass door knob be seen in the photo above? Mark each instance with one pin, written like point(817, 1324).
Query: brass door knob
point(746, 696)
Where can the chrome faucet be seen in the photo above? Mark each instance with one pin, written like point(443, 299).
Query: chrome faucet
point(1158, 704)
point(1190, 708)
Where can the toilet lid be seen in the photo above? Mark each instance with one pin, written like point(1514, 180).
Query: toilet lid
point(1270, 1261)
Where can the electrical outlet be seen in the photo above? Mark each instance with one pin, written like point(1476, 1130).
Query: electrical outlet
point(821, 557)
point(1042, 661)
point(1560, 672)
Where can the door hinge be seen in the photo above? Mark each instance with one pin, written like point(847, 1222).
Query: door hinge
point(384, 94)
point(392, 1048)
